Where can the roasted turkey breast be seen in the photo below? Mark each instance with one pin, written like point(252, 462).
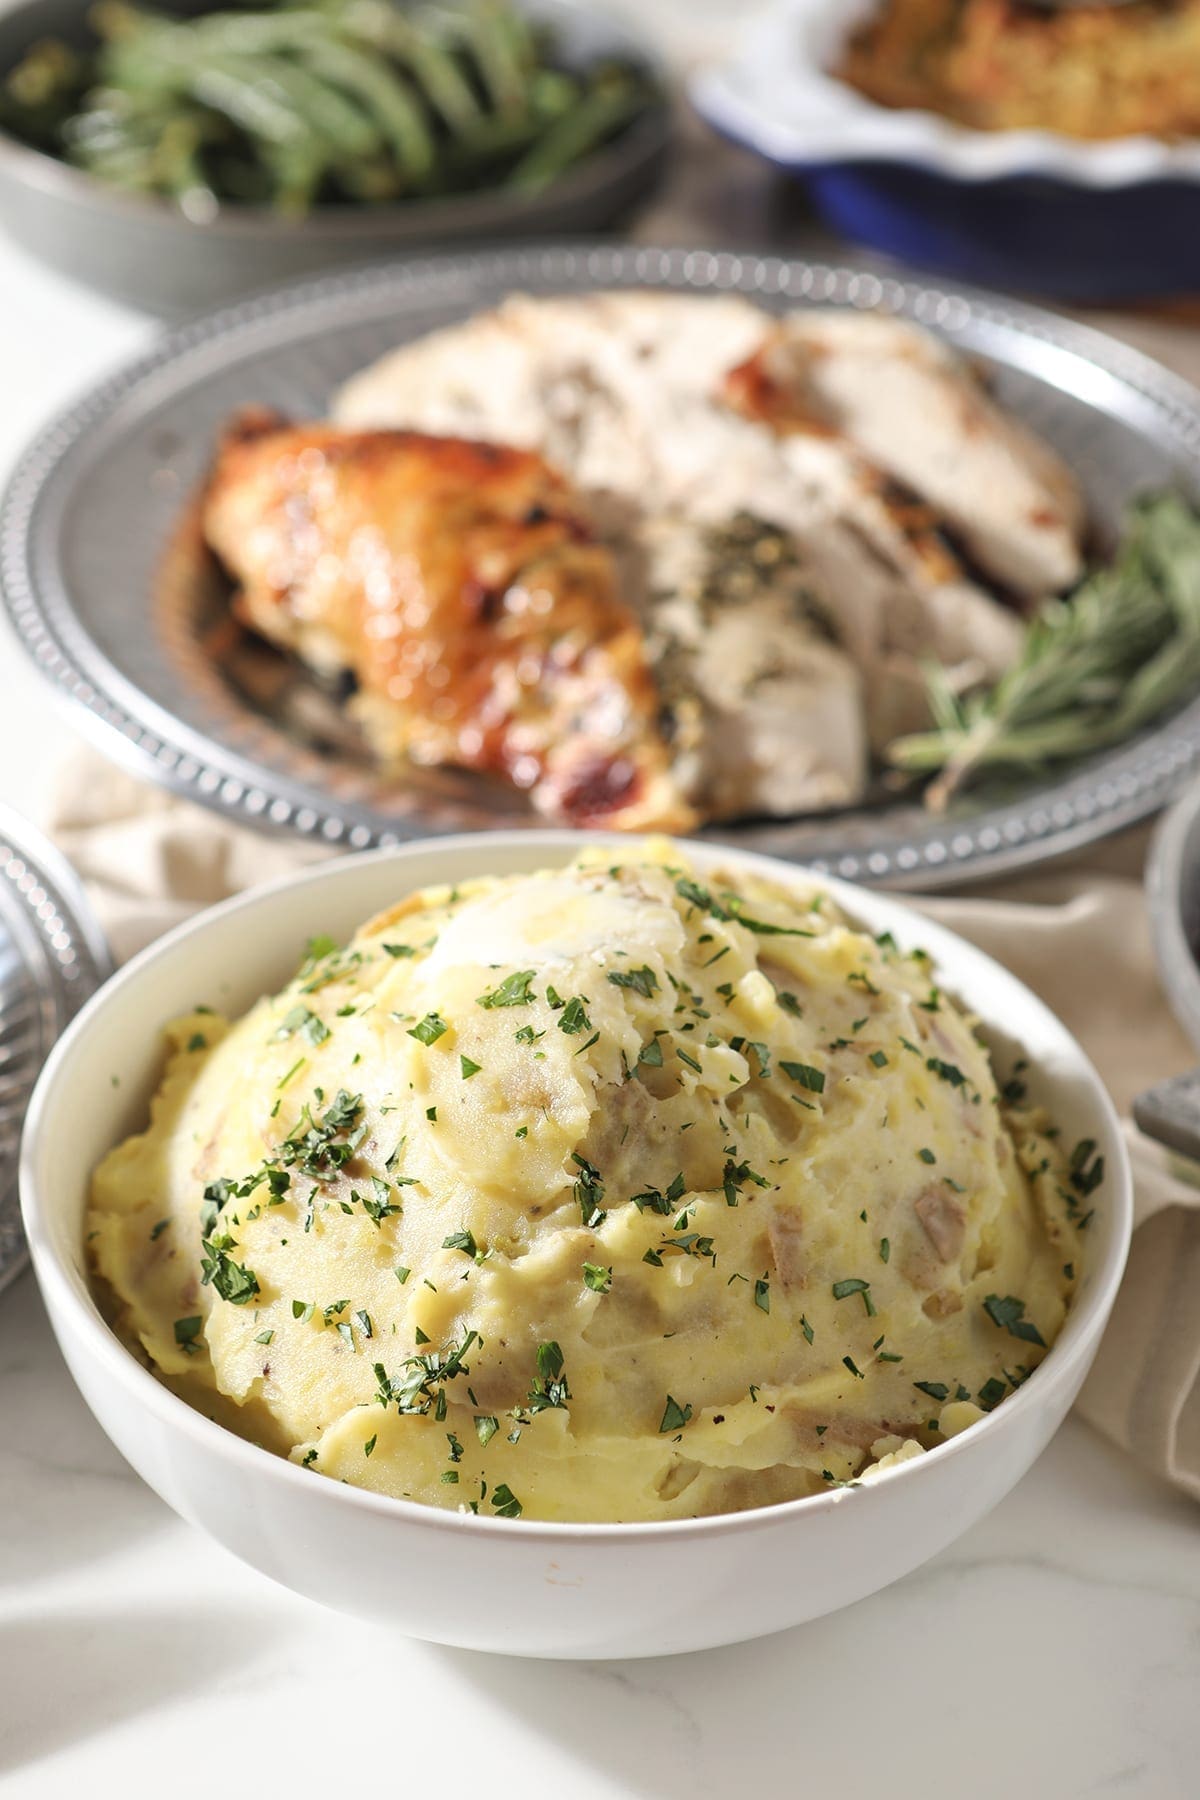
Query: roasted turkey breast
point(651, 557)
point(463, 587)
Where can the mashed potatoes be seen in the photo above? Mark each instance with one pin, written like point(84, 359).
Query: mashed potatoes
point(608, 1193)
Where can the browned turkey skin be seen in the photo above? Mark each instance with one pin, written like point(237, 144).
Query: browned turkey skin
point(463, 586)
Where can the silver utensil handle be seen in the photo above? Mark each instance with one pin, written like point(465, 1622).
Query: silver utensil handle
point(1170, 1113)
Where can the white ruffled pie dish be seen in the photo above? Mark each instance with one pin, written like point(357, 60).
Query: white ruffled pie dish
point(778, 94)
point(521, 1586)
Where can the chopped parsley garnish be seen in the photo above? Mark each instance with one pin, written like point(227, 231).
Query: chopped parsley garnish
point(464, 1241)
point(885, 1249)
point(399, 949)
point(423, 1385)
point(732, 911)
point(690, 1243)
point(589, 1191)
point(230, 1280)
point(527, 1035)
point(303, 1309)
point(762, 1294)
point(691, 1062)
point(675, 1417)
point(429, 1029)
point(1009, 1314)
point(303, 1020)
point(933, 1003)
point(514, 990)
point(431, 1114)
point(265, 1337)
point(486, 1428)
point(574, 1017)
point(643, 981)
point(991, 1393)
point(651, 1054)
point(948, 1071)
point(854, 1284)
point(654, 1200)
point(854, 1370)
point(927, 1156)
point(505, 1502)
point(806, 1328)
point(761, 1052)
point(598, 1279)
point(804, 1075)
point(936, 1390)
point(157, 1230)
point(198, 1041)
point(790, 1004)
point(550, 1388)
point(186, 1333)
point(1087, 1169)
point(878, 1058)
point(401, 1273)
point(370, 1443)
point(382, 1206)
point(316, 951)
point(735, 1175)
point(468, 1067)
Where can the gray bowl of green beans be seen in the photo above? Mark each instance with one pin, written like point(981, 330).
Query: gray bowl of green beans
point(180, 157)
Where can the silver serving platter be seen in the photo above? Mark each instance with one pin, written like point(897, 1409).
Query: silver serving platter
point(52, 958)
point(110, 597)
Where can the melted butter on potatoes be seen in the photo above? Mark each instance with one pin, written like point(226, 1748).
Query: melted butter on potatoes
point(610, 1192)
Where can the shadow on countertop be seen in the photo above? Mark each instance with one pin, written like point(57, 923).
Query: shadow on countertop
point(1010, 1639)
point(67, 1497)
point(68, 1676)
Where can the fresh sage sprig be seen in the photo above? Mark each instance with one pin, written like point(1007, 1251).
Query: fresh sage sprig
point(1094, 669)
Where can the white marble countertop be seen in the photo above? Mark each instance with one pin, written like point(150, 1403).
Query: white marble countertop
point(1054, 1652)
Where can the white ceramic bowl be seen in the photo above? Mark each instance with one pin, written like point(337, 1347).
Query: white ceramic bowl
point(515, 1585)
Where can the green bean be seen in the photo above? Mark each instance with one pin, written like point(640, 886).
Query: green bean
point(445, 87)
point(359, 101)
point(396, 113)
point(329, 115)
point(177, 159)
point(596, 117)
point(499, 69)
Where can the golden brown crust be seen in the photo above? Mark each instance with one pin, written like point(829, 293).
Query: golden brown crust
point(1088, 72)
point(462, 585)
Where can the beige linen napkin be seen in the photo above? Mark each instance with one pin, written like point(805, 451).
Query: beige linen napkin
point(1076, 934)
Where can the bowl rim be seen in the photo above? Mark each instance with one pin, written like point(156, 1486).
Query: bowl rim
point(828, 122)
point(69, 1296)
